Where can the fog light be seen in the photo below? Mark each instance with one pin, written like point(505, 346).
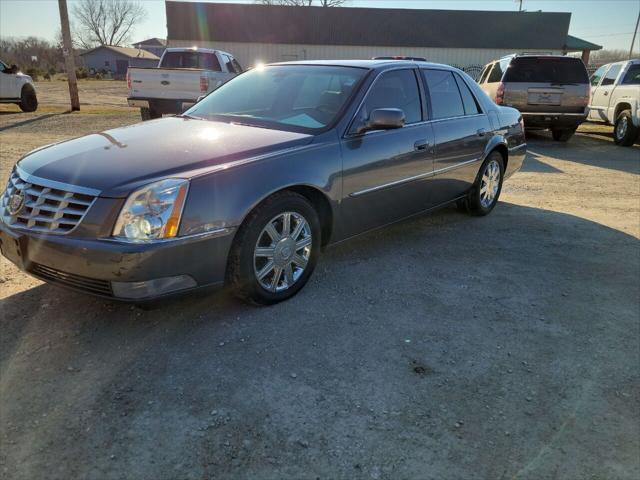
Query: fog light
point(152, 288)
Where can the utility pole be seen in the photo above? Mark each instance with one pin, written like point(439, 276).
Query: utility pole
point(67, 51)
point(633, 41)
point(520, 8)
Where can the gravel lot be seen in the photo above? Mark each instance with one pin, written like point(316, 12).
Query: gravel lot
point(446, 347)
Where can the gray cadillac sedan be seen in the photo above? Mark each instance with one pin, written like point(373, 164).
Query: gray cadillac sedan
point(250, 184)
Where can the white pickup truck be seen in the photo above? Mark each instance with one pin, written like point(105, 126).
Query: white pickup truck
point(16, 87)
point(182, 76)
point(615, 99)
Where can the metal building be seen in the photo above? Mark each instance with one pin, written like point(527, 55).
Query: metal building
point(267, 33)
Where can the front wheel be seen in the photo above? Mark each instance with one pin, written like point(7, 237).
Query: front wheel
point(624, 131)
point(28, 99)
point(486, 190)
point(275, 250)
point(563, 134)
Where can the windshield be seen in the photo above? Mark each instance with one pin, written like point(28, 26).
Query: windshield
point(303, 98)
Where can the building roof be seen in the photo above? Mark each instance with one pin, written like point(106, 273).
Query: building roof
point(126, 51)
point(365, 26)
point(577, 44)
point(152, 42)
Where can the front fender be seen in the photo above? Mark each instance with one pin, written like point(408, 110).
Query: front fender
point(224, 198)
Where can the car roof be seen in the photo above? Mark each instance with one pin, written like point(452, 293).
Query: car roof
point(368, 64)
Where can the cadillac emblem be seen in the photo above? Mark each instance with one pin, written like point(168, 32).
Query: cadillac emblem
point(16, 202)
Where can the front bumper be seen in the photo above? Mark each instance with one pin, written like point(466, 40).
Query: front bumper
point(120, 270)
point(553, 120)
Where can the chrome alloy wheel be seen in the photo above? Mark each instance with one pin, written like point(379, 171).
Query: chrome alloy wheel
point(621, 128)
point(490, 184)
point(282, 251)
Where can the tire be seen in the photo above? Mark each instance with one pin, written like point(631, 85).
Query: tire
point(562, 135)
point(28, 99)
point(149, 114)
point(492, 171)
point(257, 258)
point(624, 131)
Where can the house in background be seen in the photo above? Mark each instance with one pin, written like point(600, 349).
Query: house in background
point(154, 45)
point(117, 60)
point(270, 33)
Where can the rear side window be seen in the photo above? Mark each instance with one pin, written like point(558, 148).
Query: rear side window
point(597, 75)
point(194, 59)
point(446, 101)
point(546, 70)
point(229, 64)
point(395, 89)
point(612, 74)
point(236, 65)
point(468, 100)
point(496, 73)
point(632, 77)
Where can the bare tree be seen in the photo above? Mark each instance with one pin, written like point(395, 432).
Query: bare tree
point(106, 22)
point(303, 3)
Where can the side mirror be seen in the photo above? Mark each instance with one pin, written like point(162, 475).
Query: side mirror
point(384, 119)
point(14, 68)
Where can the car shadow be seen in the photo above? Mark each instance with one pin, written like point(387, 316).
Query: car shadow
point(583, 149)
point(97, 376)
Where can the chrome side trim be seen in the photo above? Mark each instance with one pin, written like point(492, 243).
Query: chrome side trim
point(29, 178)
point(413, 178)
point(513, 149)
point(218, 232)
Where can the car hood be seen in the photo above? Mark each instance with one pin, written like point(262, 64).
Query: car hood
point(117, 161)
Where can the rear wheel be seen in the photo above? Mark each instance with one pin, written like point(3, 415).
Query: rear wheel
point(624, 131)
point(486, 190)
point(28, 99)
point(562, 134)
point(275, 250)
point(149, 114)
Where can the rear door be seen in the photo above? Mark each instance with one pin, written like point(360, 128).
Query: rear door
point(602, 94)
point(461, 131)
point(387, 172)
point(546, 84)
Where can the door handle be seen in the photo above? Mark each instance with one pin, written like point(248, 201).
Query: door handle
point(481, 132)
point(421, 145)
point(606, 93)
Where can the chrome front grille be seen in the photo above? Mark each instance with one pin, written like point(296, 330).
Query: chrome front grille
point(29, 204)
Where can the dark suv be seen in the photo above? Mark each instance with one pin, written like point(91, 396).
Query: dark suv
point(550, 91)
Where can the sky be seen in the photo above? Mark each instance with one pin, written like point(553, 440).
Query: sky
point(609, 23)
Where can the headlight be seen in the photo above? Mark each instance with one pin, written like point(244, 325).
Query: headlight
point(152, 212)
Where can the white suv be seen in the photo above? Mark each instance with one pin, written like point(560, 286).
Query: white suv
point(16, 87)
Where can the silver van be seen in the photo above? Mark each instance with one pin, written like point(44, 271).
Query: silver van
point(551, 91)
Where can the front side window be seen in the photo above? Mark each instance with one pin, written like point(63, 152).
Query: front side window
point(394, 89)
point(485, 73)
point(597, 75)
point(445, 96)
point(632, 77)
point(468, 100)
point(612, 74)
point(288, 97)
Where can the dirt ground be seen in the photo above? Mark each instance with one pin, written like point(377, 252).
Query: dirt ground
point(445, 347)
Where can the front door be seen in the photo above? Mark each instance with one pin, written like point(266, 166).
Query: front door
point(386, 172)
point(461, 131)
point(601, 95)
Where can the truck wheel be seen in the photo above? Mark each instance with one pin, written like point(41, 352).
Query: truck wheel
point(28, 99)
point(624, 131)
point(149, 114)
point(563, 134)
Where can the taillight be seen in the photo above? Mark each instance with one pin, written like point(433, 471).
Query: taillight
point(128, 80)
point(204, 84)
point(500, 94)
